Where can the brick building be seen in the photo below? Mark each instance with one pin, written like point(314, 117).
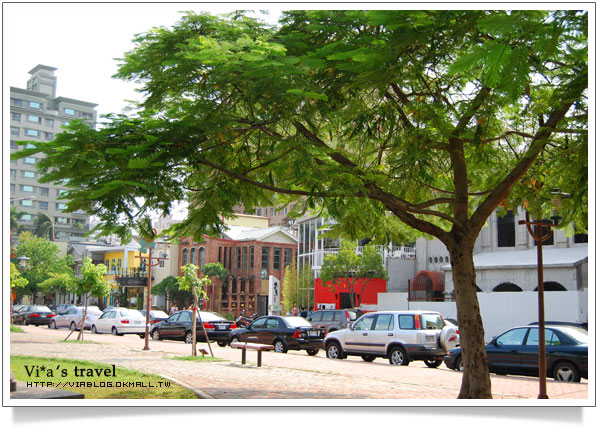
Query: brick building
point(250, 255)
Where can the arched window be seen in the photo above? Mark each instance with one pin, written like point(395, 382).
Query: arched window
point(107, 265)
point(184, 257)
point(201, 257)
point(507, 287)
point(193, 256)
point(113, 267)
point(119, 263)
point(552, 286)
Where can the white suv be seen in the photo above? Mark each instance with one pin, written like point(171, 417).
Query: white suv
point(401, 336)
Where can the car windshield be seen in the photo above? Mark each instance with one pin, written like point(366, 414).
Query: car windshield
point(131, 313)
point(579, 334)
point(296, 322)
point(431, 321)
point(39, 309)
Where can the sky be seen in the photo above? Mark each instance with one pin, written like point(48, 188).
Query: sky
point(82, 40)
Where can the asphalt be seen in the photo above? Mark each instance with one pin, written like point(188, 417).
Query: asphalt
point(294, 375)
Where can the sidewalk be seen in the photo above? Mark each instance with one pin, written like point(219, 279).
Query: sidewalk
point(282, 376)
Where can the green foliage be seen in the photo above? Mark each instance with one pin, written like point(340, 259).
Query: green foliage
point(169, 287)
point(215, 269)
point(92, 280)
point(44, 226)
point(349, 265)
point(290, 293)
point(17, 282)
point(189, 281)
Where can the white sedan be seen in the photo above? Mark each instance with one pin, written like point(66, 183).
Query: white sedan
point(120, 321)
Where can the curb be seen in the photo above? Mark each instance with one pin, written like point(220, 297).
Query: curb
point(201, 394)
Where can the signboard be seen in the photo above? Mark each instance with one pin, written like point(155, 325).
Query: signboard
point(274, 296)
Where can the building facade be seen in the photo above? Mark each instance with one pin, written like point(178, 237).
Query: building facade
point(37, 114)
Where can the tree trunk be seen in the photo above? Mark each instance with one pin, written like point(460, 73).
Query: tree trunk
point(82, 323)
point(194, 307)
point(476, 382)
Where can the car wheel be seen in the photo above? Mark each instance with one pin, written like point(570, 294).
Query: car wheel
point(368, 358)
point(398, 356)
point(25, 322)
point(334, 350)
point(279, 346)
point(156, 334)
point(433, 363)
point(566, 372)
point(52, 324)
point(142, 336)
point(188, 337)
point(94, 329)
point(222, 343)
point(312, 352)
point(459, 366)
point(115, 331)
point(73, 326)
point(234, 339)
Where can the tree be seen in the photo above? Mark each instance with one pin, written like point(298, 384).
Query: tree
point(170, 288)
point(92, 282)
point(354, 268)
point(15, 216)
point(44, 227)
point(46, 272)
point(289, 291)
point(189, 281)
point(17, 282)
point(395, 123)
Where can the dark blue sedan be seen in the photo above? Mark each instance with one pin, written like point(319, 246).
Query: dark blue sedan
point(516, 352)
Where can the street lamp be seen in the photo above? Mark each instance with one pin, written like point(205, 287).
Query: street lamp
point(539, 235)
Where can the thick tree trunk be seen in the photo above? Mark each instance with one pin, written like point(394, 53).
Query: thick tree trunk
point(476, 382)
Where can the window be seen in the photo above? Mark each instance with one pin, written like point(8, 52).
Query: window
point(276, 258)
point(44, 206)
point(49, 122)
point(107, 265)
point(184, 257)
point(287, 257)
point(113, 266)
point(26, 217)
point(63, 220)
point(34, 118)
point(245, 258)
point(13, 173)
point(12, 188)
point(48, 136)
point(27, 203)
point(265, 257)
point(16, 117)
point(29, 160)
point(60, 192)
point(61, 206)
point(239, 258)
point(119, 265)
point(65, 123)
point(513, 337)
point(16, 102)
point(13, 145)
point(69, 111)
point(201, 257)
point(15, 131)
point(220, 256)
point(26, 189)
point(259, 211)
point(406, 322)
point(506, 230)
point(365, 323)
point(581, 237)
point(34, 105)
point(32, 133)
point(193, 256)
point(533, 339)
point(86, 115)
point(29, 175)
point(384, 322)
point(44, 191)
point(252, 257)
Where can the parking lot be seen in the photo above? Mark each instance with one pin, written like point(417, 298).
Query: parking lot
point(294, 375)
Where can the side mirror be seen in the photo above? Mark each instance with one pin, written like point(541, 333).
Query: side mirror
point(494, 342)
point(351, 326)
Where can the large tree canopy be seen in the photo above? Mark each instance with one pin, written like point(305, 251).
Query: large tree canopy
point(386, 119)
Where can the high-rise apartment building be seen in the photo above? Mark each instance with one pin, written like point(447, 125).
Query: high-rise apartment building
point(37, 114)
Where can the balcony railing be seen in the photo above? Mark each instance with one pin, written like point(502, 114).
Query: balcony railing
point(131, 277)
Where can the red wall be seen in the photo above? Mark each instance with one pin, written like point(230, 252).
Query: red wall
point(323, 294)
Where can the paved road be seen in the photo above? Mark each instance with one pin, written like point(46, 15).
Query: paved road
point(294, 375)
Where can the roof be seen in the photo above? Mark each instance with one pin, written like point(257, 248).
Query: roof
point(240, 233)
point(527, 259)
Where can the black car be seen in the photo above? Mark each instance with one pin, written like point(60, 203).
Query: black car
point(284, 333)
point(516, 352)
point(179, 327)
point(33, 314)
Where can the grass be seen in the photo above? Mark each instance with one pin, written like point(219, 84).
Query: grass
point(62, 374)
point(15, 329)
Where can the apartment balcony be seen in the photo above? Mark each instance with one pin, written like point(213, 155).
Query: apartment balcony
point(132, 277)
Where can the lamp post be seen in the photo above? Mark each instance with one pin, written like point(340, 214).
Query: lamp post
point(150, 246)
point(540, 236)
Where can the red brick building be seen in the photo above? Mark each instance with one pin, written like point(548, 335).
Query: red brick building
point(250, 256)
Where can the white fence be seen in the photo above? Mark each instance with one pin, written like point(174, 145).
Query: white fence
point(501, 311)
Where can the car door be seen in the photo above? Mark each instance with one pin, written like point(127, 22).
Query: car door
point(104, 323)
point(62, 318)
point(271, 330)
point(183, 323)
point(357, 338)
point(381, 334)
point(504, 354)
point(166, 327)
point(253, 330)
point(530, 351)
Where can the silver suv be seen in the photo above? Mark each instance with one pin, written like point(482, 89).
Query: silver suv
point(400, 336)
point(334, 319)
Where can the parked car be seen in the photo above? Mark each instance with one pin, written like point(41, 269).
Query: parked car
point(62, 307)
point(333, 319)
point(516, 352)
point(155, 316)
point(582, 325)
point(120, 321)
point(17, 308)
point(71, 317)
point(179, 327)
point(33, 314)
point(284, 333)
point(400, 336)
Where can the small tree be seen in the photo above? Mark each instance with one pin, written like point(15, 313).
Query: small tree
point(170, 288)
point(190, 281)
point(351, 267)
point(92, 282)
point(17, 282)
point(215, 270)
point(289, 292)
